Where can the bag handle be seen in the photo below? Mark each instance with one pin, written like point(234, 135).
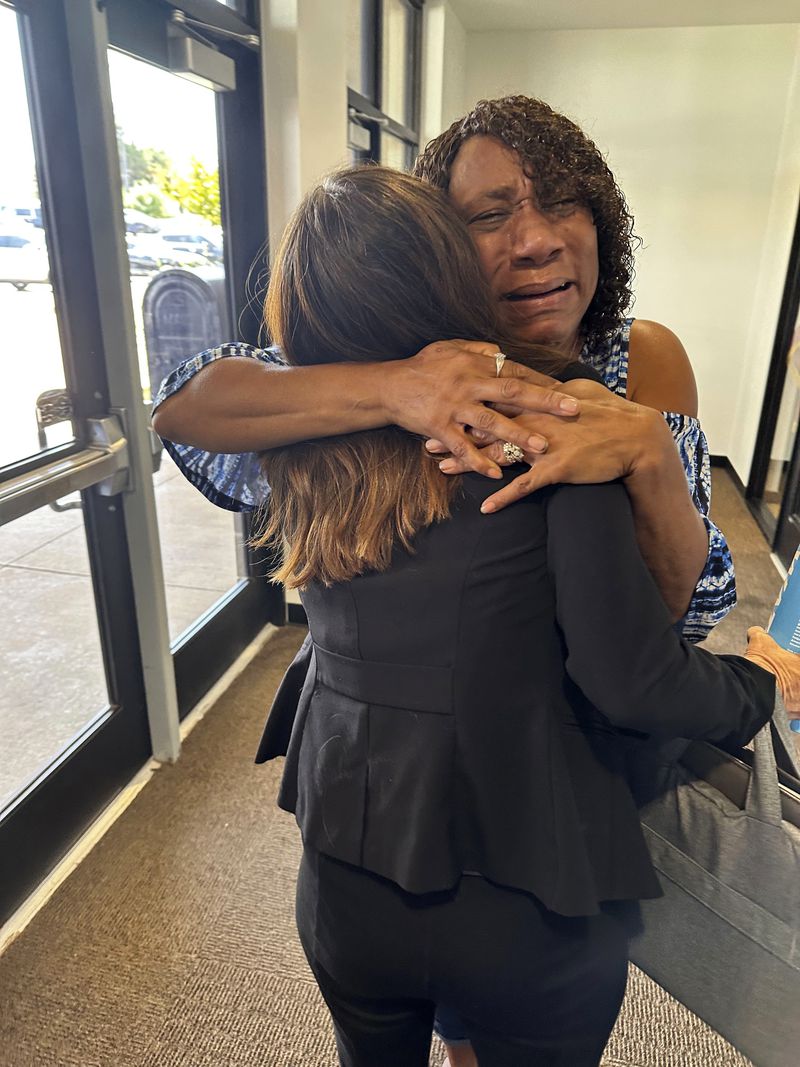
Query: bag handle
point(763, 793)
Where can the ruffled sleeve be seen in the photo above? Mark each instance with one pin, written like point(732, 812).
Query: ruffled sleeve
point(715, 593)
point(236, 481)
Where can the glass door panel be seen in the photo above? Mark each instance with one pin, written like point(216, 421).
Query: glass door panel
point(52, 675)
point(396, 52)
point(176, 247)
point(395, 152)
point(72, 704)
point(782, 486)
point(28, 323)
point(785, 430)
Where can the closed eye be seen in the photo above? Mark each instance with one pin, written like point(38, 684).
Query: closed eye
point(561, 207)
point(489, 216)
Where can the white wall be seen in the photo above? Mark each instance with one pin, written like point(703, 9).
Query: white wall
point(304, 57)
point(444, 67)
point(304, 85)
point(702, 127)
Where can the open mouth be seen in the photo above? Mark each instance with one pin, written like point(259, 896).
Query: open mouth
point(533, 293)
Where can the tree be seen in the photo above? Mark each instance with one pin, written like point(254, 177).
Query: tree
point(140, 164)
point(148, 200)
point(198, 193)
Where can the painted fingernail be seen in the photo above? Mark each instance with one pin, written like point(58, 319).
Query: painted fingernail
point(568, 403)
point(487, 507)
point(537, 443)
point(495, 472)
point(447, 466)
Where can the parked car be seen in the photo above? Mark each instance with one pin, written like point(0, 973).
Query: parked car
point(30, 213)
point(138, 222)
point(185, 241)
point(148, 253)
point(23, 258)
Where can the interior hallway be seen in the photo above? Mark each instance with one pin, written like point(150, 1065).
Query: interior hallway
point(173, 943)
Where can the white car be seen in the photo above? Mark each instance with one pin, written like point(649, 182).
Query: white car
point(23, 258)
point(150, 252)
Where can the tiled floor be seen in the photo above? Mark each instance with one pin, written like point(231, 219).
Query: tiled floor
point(52, 681)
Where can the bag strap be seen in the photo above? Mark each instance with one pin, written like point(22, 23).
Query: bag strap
point(763, 792)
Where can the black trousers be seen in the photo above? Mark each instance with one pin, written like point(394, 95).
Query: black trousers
point(533, 989)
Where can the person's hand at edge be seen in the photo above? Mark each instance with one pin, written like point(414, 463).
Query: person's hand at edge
point(767, 653)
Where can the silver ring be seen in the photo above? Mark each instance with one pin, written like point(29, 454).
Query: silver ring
point(499, 360)
point(513, 453)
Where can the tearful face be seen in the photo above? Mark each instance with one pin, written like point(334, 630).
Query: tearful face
point(540, 259)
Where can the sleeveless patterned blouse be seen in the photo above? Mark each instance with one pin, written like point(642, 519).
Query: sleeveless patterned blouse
point(715, 593)
point(236, 482)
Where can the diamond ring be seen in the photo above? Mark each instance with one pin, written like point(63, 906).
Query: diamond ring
point(513, 453)
point(499, 360)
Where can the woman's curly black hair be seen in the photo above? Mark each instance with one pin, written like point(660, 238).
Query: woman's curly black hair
point(560, 159)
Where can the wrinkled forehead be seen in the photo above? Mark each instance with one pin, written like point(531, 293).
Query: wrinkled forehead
point(487, 168)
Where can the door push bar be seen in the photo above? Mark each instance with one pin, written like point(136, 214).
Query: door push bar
point(103, 464)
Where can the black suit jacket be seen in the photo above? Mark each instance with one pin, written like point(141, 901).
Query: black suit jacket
point(464, 709)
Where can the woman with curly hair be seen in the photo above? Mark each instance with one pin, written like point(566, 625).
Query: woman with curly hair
point(555, 241)
point(457, 766)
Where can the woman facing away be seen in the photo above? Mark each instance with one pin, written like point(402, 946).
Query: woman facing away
point(457, 767)
point(554, 239)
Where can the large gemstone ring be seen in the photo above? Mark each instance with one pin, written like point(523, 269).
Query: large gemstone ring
point(513, 453)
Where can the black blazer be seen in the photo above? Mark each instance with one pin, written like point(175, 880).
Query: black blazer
point(464, 709)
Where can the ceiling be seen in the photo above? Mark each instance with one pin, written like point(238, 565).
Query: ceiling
point(620, 14)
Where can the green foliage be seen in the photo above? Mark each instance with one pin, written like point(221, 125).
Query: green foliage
point(140, 164)
point(147, 200)
point(198, 193)
point(148, 176)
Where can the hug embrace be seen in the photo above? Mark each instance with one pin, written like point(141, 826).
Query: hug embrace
point(491, 633)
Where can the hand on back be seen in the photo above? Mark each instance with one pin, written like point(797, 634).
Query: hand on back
point(610, 438)
point(447, 388)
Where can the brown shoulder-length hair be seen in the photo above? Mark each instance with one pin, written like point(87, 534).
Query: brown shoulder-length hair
point(374, 266)
point(560, 159)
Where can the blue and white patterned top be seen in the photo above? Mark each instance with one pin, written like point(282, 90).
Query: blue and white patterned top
point(237, 482)
point(715, 593)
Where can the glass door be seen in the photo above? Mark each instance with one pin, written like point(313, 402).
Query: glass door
point(73, 707)
point(185, 94)
point(773, 491)
point(175, 241)
point(99, 654)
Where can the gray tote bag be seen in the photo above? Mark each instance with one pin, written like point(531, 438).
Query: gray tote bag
point(725, 937)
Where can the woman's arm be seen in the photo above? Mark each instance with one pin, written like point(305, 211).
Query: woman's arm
point(613, 438)
point(622, 651)
point(246, 405)
point(628, 438)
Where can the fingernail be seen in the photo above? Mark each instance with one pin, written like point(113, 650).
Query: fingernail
point(537, 443)
point(447, 466)
point(495, 472)
point(487, 507)
point(568, 403)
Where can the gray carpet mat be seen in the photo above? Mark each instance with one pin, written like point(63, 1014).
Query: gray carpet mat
point(173, 944)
